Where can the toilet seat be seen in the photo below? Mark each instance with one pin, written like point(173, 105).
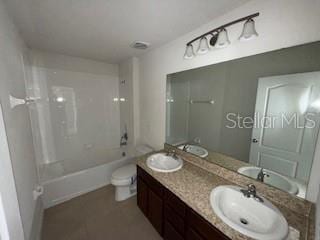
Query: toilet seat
point(124, 175)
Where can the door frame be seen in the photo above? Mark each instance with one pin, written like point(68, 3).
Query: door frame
point(10, 219)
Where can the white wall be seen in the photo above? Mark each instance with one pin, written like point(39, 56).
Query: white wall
point(126, 69)
point(136, 100)
point(13, 67)
point(280, 24)
point(129, 110)
point(68, 63)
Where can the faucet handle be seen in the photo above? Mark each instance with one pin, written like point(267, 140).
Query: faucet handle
point(251, 187)
point(171, 151)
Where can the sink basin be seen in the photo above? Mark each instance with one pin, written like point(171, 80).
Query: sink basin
point(274, 179)
point(196, 150)
point(258, 220)
point(160, 162)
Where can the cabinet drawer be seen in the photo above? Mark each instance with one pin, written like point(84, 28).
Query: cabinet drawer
point(170, 233)
point(175, 202)
point(175, 220)
point(150, 181)
point(203, 228)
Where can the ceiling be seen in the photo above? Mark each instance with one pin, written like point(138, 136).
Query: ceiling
point(104, 29)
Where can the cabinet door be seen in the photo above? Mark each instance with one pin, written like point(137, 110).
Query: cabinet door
point(155, 210)
point(177, 222)
point(193, 235)
point(142, 196)
point(170, 233)
point(203, 228)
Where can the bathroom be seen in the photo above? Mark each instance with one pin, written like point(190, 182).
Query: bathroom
point(129, 120)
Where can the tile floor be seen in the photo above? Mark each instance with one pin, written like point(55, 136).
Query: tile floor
point(97, 216)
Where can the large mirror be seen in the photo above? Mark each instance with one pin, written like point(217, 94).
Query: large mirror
point(257, 115)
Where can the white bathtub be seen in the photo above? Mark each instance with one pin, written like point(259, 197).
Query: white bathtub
point(65, 180)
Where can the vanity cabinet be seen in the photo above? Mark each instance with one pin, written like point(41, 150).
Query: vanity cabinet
point(170, 216)
point(150, 199)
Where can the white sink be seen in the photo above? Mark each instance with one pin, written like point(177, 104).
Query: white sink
point(160, 162)
point(258, 220)
point(273, 179)
point(194, 149)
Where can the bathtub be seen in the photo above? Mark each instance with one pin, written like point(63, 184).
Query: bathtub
point(65, 180)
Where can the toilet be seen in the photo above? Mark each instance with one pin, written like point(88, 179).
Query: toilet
point(124, 178)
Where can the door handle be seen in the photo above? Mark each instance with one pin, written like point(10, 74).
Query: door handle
point(255, 140)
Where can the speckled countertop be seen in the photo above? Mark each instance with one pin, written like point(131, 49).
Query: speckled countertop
point(193, 186)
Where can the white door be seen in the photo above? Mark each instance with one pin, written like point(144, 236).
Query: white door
point(286, 123)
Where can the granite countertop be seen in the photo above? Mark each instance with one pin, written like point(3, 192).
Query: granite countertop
point(193, 186)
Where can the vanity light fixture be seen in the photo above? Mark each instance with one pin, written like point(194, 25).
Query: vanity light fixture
point(203, 46)
point(189, 54)
point(219, 36)
point(249, 31)
point(223, 39)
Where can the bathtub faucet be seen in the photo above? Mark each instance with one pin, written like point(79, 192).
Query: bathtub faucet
point(124, 139)
point(261, 175)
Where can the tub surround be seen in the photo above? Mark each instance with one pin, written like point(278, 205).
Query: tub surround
point(194, 182)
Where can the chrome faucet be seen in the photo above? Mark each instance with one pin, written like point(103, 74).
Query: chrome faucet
point(124, 137)
point(261, 175)
point(172, 153)
point(251, 192)
point(185, 148)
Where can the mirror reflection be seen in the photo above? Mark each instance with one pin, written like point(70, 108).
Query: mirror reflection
point(257, 115)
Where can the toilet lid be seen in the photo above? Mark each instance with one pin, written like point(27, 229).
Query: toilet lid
point(126, 171)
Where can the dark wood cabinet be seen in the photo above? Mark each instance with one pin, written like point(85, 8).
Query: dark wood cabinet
point(193, 235)
point(170, 233)
point(142, 196)
point(203, 228)
point(155, 211)
point(170, 216)
point(150, 199)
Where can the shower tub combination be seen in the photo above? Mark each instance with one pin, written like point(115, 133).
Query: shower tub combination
point(77, 129)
